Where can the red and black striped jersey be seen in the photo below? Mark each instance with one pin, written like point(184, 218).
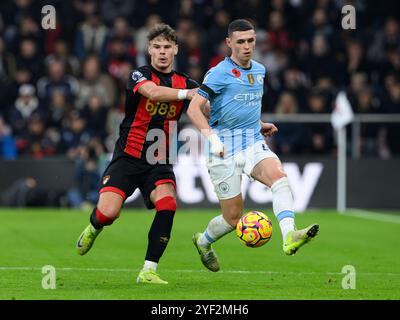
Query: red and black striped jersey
point(142, 114)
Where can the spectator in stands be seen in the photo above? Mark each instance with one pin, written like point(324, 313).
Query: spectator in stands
point(114, 118)
point(355, 59)
point(291, 135)
point(94, 82)
point(124, 70)
point(22, 76)
point(319, 135)
point(7, 76)
point(285, 8)
point(319, 25)
point(74, 134)
point(96, 115)
point(122, 33)
point(86, 179)
point(89, 165)
point(388, 38)
point(7, 142)
point(117, 57)
point(183, 27)
point(370, 132)
point(194, 50)
point(321, 61)
point(392, 105)
point(91, 34)
point(217, 31)
point(144, 8)
point(57, 80)
point(196, 73)
point(278, 35)
point(57, 109)
point(295, 82)
point(34, 142)
point(7, 64)
point(25, 192)
point(62, 53)
point(221, 53)
point(113, 9)
point(28, 58)
point(26, 104)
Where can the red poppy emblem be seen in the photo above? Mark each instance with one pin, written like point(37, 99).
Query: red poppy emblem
point(236, 73)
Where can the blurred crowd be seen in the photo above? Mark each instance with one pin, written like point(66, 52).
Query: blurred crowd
point(62, 90)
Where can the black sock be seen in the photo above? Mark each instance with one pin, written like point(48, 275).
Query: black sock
point(94, 221)
point(99, 220)
point(159, 234)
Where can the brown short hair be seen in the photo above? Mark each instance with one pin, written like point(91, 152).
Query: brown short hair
point(163, 30)
point(239, 25)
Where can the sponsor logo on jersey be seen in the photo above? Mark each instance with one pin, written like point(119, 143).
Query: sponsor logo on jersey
point(248, 96)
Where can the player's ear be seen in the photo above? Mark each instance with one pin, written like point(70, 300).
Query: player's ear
point(176, 49)
point(228, 42)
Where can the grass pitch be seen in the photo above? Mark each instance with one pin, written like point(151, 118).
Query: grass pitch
point(31, 239)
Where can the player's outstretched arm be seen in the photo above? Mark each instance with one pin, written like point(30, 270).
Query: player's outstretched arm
point(196, 115)
point(164, 94)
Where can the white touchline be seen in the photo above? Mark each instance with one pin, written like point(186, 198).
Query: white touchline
point(197, 271)
point(371, 215)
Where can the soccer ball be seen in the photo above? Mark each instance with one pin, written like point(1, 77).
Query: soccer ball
point(254, 229)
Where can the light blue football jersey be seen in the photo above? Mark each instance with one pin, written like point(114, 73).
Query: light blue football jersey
point(235, 96)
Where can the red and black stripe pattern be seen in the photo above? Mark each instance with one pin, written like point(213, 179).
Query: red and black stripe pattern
point(143, 114)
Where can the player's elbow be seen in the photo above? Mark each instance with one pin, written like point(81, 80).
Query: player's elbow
point(154, 94)
point(153, 97)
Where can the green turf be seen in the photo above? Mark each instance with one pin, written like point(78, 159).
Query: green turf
point(31, 239)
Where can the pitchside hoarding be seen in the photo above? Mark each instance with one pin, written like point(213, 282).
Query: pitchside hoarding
point(371, 183)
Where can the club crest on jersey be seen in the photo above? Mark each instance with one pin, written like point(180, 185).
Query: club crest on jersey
point(236, 72)
point(136, 75)
point(250, 77)
point(223, 187)
point(106, 178)
point(260, 79)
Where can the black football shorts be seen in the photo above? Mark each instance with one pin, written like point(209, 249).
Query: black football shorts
point(124, 174)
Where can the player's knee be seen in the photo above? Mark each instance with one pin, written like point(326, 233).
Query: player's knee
point(99, 219)
point(277, 175)
point(166, 203)
point(110, 210)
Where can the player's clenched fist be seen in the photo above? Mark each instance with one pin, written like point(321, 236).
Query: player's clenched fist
point(268, 129)
point(191, 93)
